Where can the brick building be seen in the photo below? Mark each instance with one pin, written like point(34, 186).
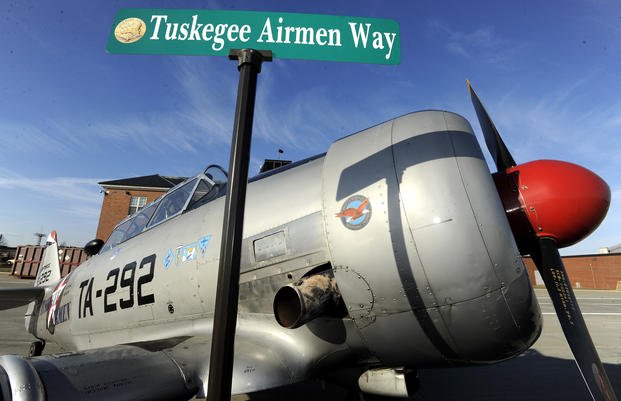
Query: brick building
point(126, 196)
point(601, 271)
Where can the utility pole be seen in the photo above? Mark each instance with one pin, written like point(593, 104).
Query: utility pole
point(39, 237)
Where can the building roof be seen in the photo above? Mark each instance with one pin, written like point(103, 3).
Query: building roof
point(271, 164)
point(154, 181)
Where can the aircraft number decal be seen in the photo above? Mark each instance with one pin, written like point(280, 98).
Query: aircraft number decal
point(149, 298)
point(110, 290)
point(128, 282)
point(45, 275)
point(120, 279)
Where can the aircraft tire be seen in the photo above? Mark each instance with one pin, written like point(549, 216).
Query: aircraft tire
point(36, 348)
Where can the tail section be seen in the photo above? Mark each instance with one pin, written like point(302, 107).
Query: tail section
point(49, 274)
point(49, 270)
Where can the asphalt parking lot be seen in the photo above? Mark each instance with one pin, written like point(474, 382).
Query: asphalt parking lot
point(545, 372)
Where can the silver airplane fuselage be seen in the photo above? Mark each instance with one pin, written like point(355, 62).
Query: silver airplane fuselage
point(404, 216)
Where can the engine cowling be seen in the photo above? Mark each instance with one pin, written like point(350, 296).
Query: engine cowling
point(420, 245)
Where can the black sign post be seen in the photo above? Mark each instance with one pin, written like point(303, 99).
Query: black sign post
point(225, 316)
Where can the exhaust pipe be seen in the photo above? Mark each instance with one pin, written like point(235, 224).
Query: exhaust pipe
point(298, 303)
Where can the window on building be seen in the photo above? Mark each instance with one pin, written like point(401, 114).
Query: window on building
point(136, 203)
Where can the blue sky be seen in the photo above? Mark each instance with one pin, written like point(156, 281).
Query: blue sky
point(72, 115)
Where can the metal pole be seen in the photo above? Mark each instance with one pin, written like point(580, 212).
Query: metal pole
point(225, 316)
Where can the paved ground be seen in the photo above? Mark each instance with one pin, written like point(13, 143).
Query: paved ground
point(546, 372)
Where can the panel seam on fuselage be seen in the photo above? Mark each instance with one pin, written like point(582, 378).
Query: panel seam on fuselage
point(476, 220)
point(413, 295)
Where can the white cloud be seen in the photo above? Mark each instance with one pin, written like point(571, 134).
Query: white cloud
point(70, 205)
point(84, 212)
point(25, 137)
point(208, 94)
point(83, 190)
point(549, 127)
point(308, 118)
point(306, 122)
point(201, 113)
point(482, 44)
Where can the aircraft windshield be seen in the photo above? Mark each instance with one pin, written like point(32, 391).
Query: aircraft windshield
point(130, 228)
point(217, 174)
point(117, 236)
point(173, 203)
point(210, 187)
point(139, 222)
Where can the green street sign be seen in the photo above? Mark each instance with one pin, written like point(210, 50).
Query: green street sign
point(287, 35)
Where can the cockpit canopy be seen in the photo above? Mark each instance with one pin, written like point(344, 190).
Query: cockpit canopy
point(190, 194)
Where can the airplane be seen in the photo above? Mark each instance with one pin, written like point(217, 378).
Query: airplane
point(394, 251)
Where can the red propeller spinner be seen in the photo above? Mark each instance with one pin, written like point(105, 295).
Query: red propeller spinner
point(554, 199)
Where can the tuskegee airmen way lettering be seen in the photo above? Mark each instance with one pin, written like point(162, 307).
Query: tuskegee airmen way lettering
point(288, 35)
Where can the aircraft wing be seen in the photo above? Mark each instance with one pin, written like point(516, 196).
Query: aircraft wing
point(172, 369)
point(14, 297)
point(257, 366)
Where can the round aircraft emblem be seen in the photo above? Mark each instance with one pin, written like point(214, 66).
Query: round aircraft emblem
point(130, 30)
point(355, 212)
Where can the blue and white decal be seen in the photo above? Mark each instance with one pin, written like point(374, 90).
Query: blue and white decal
point(202, 245)
point(168, 258)
point(189, 252)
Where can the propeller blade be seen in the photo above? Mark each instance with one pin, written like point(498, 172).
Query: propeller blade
point(548, 260)
point(495, 145)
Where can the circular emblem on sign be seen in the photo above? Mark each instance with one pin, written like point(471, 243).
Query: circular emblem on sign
point(355, 212)
point(130, 30)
